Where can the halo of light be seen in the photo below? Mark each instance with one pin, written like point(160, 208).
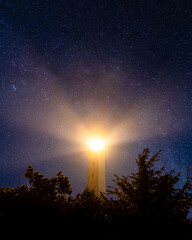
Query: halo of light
point(96, 144)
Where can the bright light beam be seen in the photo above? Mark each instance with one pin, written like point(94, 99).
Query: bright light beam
point(97, 144)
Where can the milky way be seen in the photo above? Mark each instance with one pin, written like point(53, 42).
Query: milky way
point(67, 66)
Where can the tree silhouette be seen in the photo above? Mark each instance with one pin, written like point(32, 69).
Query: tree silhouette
point(48, 189)
point(153, 193)
point(44, 198)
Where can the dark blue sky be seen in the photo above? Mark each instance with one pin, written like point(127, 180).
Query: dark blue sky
point(125, 66)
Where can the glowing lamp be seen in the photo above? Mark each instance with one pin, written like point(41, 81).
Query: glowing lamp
point(97, 144)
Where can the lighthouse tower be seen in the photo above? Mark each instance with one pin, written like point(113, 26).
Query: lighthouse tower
point(96, 168)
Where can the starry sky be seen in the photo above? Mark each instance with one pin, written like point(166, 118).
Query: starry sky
point(70, 67)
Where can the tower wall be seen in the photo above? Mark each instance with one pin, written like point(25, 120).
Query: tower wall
point(96, 171)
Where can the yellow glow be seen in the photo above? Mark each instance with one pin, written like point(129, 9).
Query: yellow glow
point(97, 144)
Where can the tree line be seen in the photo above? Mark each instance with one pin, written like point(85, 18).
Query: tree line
point(147, 199)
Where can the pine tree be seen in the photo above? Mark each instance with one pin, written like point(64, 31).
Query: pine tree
point(152, 193)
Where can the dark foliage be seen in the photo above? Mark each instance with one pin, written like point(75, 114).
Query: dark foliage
point(146, 203)
point(153, 193)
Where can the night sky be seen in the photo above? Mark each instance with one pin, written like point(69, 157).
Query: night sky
point(68, 68)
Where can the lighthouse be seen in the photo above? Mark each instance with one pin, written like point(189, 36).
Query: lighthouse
point(96, 166)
